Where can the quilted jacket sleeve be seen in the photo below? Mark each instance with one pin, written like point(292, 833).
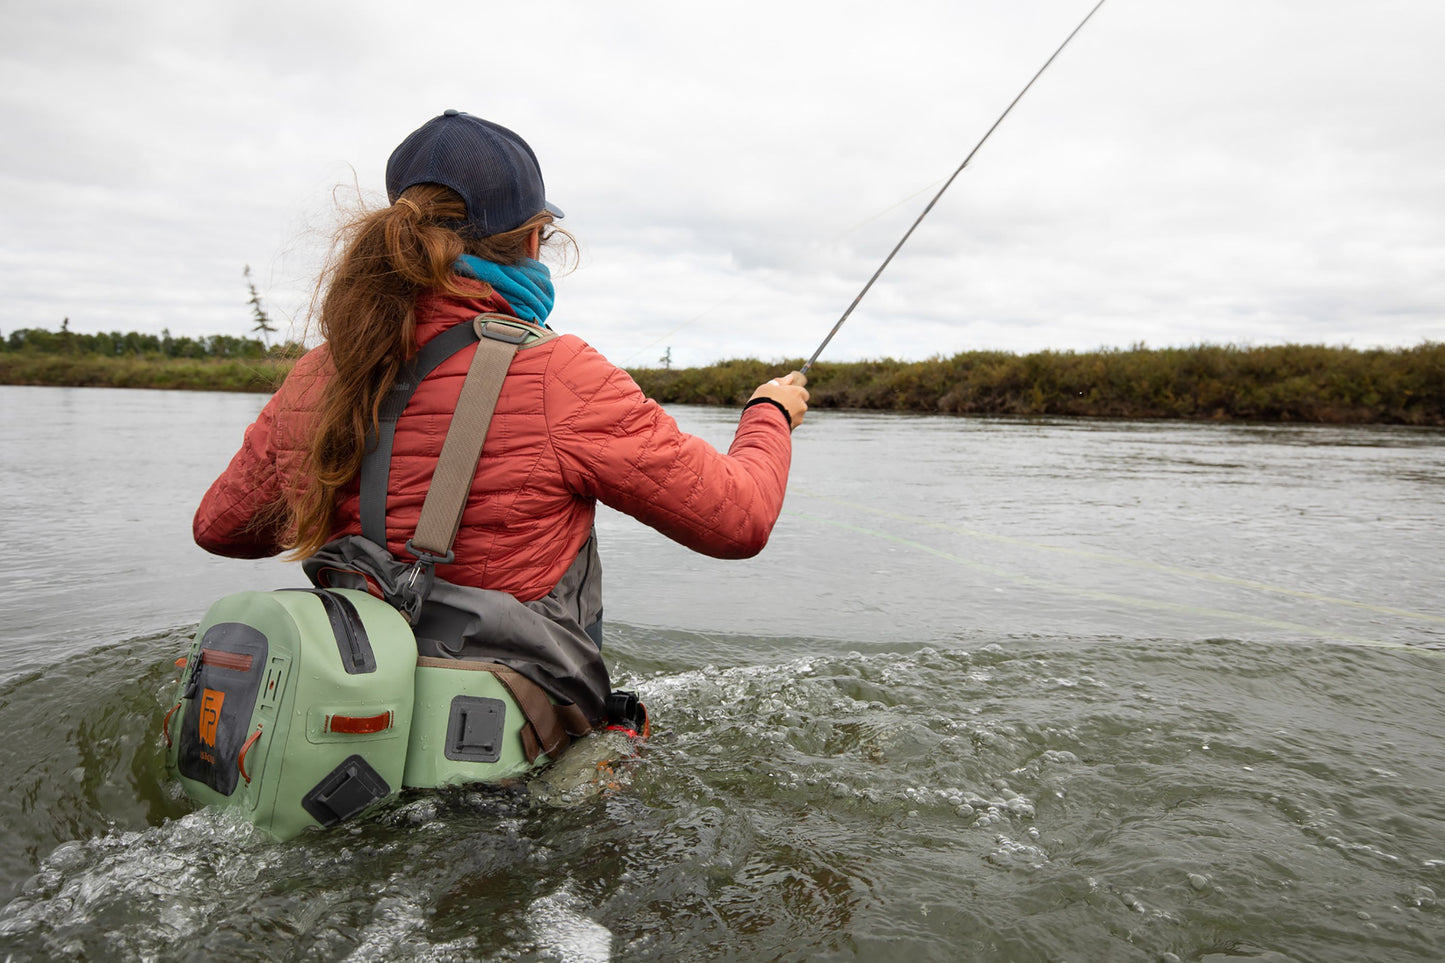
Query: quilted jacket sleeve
point(240, 514)
point(615, 444)
point(243, 513)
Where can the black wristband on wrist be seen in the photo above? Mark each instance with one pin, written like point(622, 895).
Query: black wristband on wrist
point(776, 404)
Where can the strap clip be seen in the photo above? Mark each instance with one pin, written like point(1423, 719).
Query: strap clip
point(424, 557)
point(412, 592)
point(500, 331)
point(417, 583)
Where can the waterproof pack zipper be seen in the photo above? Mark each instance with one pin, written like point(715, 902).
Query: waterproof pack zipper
point(351, 641)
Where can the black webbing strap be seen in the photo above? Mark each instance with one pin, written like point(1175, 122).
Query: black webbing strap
point(376, 464)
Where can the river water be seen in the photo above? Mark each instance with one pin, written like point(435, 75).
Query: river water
point(999, 689)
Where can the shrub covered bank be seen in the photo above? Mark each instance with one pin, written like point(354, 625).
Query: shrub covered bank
point(100, 371)
point(1308, 383)
point(112, 359)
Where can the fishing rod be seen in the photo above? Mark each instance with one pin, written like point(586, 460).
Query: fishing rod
point(909, 233)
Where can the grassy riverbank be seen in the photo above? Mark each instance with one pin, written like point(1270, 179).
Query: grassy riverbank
point(112, 359)
point(99, 371)
point(1304, 383)
point(1297, 383)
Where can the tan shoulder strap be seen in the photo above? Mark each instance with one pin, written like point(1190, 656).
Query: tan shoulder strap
point(441, 514)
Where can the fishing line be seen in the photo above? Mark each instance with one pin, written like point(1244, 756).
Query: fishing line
point(887, 210)
point(909, 233)
point(692, 322)
point(1125, 560)
point(1128, 600)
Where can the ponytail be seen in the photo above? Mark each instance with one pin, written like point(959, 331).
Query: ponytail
point(368, 318)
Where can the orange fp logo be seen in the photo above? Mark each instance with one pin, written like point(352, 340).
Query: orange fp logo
point(210, 715)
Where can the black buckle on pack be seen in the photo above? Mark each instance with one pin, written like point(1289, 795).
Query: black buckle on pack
point(424, 557)
point(417, 583)
point(626, 713)
point(412, 591)
point(345, 791)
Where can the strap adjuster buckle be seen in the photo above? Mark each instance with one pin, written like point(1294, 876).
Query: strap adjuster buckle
point(417, 583)
point(412, 592)
point(498, 331)
point(424, 557)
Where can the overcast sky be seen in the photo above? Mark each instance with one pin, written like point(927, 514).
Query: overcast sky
point(1229, 171)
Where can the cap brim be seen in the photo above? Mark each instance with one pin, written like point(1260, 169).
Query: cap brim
point(553, 209)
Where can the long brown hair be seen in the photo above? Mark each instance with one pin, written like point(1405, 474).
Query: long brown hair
point(385, 259)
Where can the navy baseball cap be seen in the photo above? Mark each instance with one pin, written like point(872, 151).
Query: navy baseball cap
point(492, 168)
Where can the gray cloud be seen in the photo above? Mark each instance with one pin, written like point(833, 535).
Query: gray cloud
point(1186, 172)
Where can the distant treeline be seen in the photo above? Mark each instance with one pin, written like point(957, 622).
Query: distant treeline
point(35, 356)
point(1307, 383)
point(1303, 383)
point(133, 344)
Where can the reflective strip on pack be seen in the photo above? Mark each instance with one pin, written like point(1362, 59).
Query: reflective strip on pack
point(360, 725)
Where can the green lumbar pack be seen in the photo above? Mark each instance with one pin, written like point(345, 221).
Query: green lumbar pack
point(303, 708)
point(295, 707)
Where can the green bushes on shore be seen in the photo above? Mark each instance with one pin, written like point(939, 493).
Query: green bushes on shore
point(134, 344)
point(1306, 383)
point(35, 356)
point(98, 371)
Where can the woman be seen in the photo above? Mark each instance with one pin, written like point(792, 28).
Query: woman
point(469, 216)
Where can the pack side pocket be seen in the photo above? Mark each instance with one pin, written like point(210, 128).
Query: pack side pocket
point(226, 682)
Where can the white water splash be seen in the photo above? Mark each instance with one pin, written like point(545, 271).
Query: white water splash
point(563, 933)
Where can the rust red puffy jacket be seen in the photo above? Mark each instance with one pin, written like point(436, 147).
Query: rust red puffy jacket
point(569, 429)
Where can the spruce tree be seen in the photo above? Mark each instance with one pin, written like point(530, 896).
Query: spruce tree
point(263, 321)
